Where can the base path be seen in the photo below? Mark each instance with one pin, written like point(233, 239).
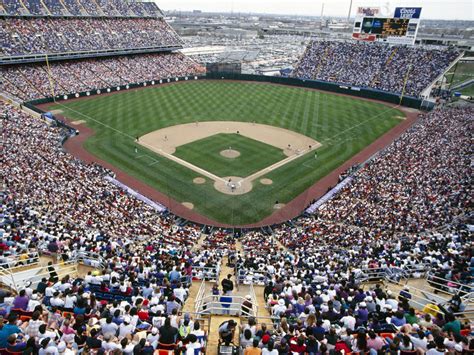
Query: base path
point(166, 140)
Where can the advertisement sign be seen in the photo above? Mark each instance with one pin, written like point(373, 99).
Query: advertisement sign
point(368, 11)
point(407, 12)
point(364, 37)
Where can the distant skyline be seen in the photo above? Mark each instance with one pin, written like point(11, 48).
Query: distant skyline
point(432, 9)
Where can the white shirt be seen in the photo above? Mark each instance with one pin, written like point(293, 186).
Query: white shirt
point(349, 322)
point(110, 345)
point(49, 291)
point(265, 351)
point(32, 305)
point(191, 346)
point(50, 350)
point(57, 302)
point(70, 301)
point(124, 330)
point(393, 303)
point(180, 293)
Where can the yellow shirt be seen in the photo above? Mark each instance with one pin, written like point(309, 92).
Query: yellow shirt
point(431, 309)
point(252, 351)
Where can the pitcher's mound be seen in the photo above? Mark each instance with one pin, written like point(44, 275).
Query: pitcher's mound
point(230, 153)
point(188, 205)
point(199, 180)
point(233, 185)
point(266, 181)
point(278, 206)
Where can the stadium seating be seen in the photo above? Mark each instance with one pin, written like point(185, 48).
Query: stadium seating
point(49, 35)
point(29, 82)
point(57, 203)
point(374, 65)
point(402, 213)
point(81, 8)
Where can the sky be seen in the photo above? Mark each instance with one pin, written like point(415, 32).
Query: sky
point(432, 9)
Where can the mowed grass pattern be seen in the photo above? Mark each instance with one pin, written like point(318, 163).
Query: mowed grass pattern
point(254, 155)
point(344, 126)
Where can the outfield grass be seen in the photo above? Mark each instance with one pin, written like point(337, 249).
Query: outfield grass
point(464, 71)
point(254, 155)
point(468, 90)
point(344, 126)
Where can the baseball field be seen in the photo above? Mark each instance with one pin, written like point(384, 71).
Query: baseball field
point(235, 152)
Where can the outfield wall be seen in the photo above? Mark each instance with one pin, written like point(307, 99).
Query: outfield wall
point(367, 93)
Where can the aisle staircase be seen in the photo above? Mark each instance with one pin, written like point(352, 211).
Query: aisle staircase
point(202, 305)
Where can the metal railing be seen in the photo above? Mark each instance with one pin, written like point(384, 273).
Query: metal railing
point(89, 258)
point(15, 261)
point(19, 279)
point(212, 304)
point(450, 287)
point(250, 277)
point(206, 273)
point(253, 298)
point(199, 297)
point(393, 273)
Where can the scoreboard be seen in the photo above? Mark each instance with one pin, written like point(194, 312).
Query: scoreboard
point(401, 29)
point(385, 26)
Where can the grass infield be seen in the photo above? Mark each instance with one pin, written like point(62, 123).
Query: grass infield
point(343, 125)
point(254, 155)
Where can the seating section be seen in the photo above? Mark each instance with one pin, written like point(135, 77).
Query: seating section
point(40, 35)
point(394, 69)
point(403, 213)
point(28, 82)
point(311, 268)
point(119, 8)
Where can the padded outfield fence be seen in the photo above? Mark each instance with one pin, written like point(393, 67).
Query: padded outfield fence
point(367, 93)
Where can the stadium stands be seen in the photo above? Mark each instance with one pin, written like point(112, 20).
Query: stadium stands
point(374, 65)
point(402, 213)
point(46, 35)
point(116, 8)
point(75, 29)
point(57, 204)
point(29, 82)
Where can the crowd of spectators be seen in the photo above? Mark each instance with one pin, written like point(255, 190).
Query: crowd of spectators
point(28, 82)
point(55, 203)
point(338, 316)
point(312, 267)
point(374, 65)
point(40, 35)
point(385, 220)
point(116, 8)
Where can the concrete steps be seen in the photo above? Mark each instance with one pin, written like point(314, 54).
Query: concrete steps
point(213, 338)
